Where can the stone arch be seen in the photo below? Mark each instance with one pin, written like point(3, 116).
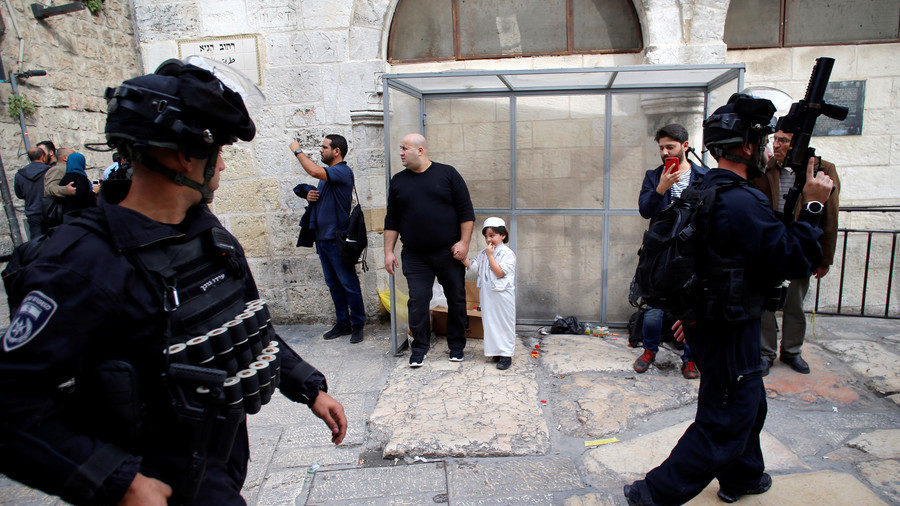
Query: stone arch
point(391, 8)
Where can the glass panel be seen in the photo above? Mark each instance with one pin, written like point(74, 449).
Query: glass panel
point(633, 151)
point(625, 235)
point(511, 27)
point(421, 29)
point(667, 77)
point(472, 134)
point(743, 27)
point(559, 267)
point(811, 22)
point(557, 81)
point(404, 119)
point(559, 151)
point(467, 83)
point(605, 24)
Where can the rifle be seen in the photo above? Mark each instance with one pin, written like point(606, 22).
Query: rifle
point(800, 121)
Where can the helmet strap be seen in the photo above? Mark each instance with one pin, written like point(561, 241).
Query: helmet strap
point(178, 178)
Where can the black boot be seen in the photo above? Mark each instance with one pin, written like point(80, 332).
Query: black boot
point(338, 330)
point(730, 495)
point(357, 334)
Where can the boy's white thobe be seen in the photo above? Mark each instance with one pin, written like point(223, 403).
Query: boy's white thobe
point(498, 301)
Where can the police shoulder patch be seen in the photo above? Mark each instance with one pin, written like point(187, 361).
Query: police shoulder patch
point(32, 316)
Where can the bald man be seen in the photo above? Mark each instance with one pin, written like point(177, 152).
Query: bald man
point(430, 211)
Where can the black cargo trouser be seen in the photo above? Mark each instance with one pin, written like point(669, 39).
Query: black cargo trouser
point(723, 441)
point(420, 270)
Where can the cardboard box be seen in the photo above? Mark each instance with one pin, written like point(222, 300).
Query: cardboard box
point(474, 328)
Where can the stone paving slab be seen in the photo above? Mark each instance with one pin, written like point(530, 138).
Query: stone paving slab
point(281, 488)
point(883, 475)
point(596, 404)
point(563, 354)
point(875, 362)
point(460, 408)
point(884, 444)
point(308, 430)
point(263, 442)
point(630, 460)
point(594, 500)
point(823, 487)
point(381, 484)
point(829, 383)
point(510, 480)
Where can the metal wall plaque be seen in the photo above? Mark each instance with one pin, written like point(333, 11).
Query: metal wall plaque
point(850, 94)
point(239, 51)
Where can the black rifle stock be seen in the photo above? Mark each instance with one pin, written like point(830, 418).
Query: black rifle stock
point(800, 121)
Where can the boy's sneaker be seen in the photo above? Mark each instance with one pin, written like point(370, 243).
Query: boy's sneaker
point(456, 356)
point(643, 362)
point(729, 495)
point(689, 370)
point(338, 330)
point(504, 363)
point(357, 335)
point(416, 359)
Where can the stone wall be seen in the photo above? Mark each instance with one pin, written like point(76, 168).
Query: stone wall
point(321, 61)
point(82, 54)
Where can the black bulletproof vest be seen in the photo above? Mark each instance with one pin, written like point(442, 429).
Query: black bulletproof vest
point(199, 281)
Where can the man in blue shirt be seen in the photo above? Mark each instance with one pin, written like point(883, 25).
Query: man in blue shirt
point(327, 215)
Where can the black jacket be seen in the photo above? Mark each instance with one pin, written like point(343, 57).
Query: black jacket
point(89, 303)
point(649, 202)
point(745, 230)
point(307, 236)
point(29, 186)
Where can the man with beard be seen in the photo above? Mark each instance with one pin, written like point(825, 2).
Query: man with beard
point(659, 188)
point(327, 216)
point(775, 184)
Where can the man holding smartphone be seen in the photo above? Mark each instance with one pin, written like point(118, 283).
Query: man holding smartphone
point(660, 186)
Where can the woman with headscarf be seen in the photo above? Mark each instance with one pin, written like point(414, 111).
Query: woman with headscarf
point(84, 192)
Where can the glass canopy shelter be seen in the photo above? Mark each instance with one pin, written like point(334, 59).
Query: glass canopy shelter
point(560, 155)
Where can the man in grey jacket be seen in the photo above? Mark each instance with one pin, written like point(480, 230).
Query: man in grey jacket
point(29, 186)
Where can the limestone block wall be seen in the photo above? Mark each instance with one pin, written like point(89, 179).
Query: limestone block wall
point(321, 64)
point(82, 54)
point(321, 61)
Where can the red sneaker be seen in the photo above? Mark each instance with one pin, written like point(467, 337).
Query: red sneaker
point(643, 362)
point(689, 370)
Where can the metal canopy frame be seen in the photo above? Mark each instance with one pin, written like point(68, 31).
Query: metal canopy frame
point(607, 81)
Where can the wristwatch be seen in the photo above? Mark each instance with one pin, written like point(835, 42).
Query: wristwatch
point(297, 152)
point(814, 207)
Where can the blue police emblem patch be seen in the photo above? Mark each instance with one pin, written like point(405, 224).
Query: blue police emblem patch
point(32, 316)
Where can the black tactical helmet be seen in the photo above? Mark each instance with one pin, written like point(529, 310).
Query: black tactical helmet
point(181, 107)
point(744, 119)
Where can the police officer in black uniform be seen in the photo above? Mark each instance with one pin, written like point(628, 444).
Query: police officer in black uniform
point(749, 251)
point(98, 407)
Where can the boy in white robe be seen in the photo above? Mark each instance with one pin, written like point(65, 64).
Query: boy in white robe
point(496, 275)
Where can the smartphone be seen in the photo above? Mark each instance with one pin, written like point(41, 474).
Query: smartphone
point(671, 164)
point(95, 182)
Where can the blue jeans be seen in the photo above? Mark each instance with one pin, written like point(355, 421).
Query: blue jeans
point(343, 284)
point(652, 328)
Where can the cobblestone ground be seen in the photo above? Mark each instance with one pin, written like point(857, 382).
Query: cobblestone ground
point(465, 433)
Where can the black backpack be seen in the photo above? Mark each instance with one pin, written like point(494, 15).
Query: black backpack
point(669, 275)
point(352, 242)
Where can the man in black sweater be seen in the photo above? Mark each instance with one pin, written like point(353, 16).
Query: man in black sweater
point(429, 208)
